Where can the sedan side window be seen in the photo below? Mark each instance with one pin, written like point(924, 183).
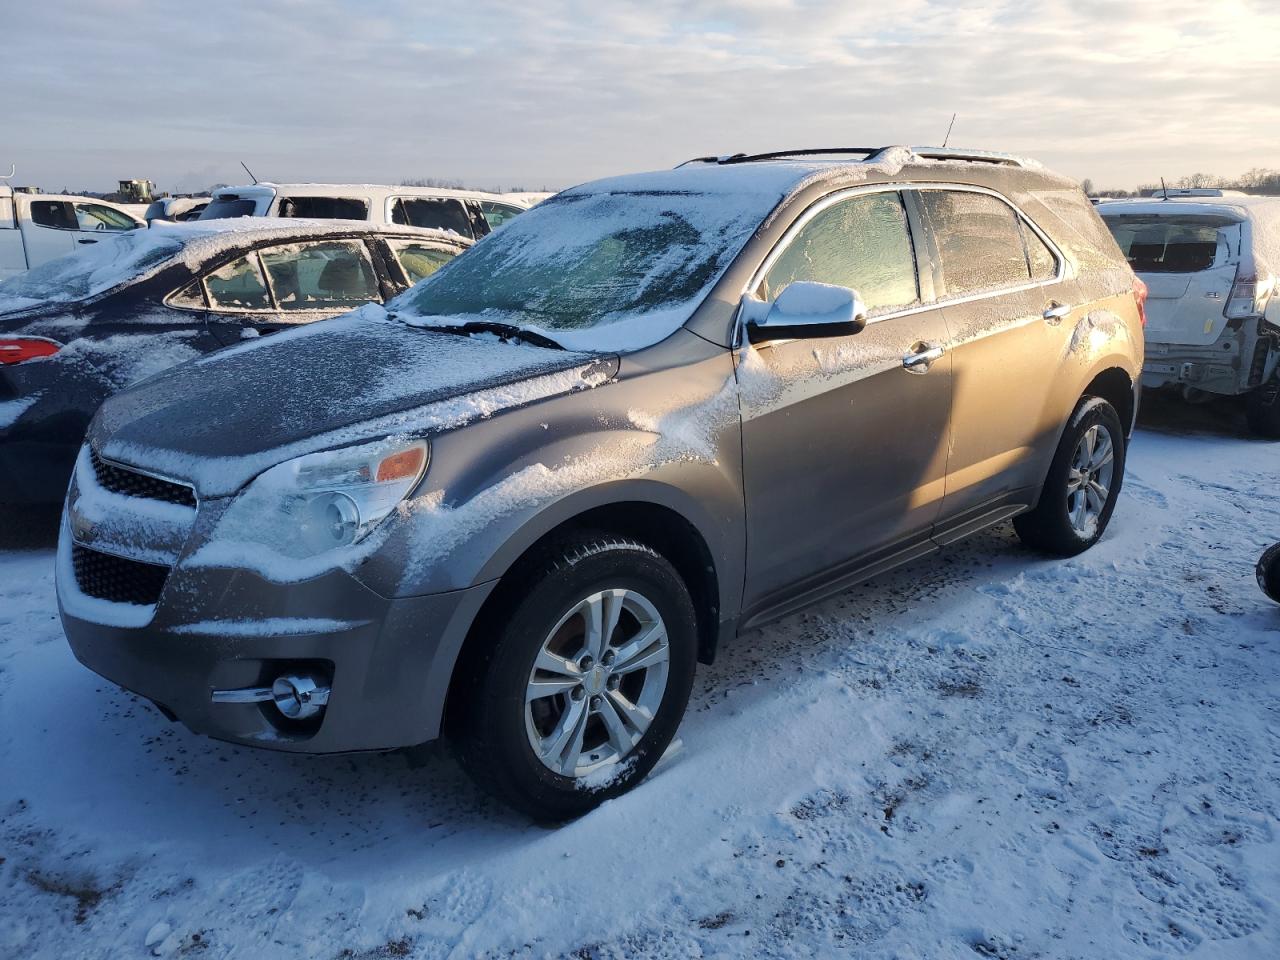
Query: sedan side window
point(94, 216)
point(863, 243)
point(56, 214)
point(434, 213)
point(979, 240)
point(420, 260)
point(238, 286)
point(323, 275)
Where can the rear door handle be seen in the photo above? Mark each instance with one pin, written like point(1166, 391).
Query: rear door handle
point(86, 240)
point(920, 356)
point(1055, 312)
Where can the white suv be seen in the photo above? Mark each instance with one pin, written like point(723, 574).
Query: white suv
point(1213, 309)
point(469, 213)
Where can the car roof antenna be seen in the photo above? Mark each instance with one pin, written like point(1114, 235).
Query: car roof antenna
point(1164, 191)
point(248, 171)
point(947, 138)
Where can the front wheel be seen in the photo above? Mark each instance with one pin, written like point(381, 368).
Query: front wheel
point(1080, 492)
point(1262, 409)
point(584, 682)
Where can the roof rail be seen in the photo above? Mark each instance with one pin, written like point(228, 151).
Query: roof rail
point(868, 154)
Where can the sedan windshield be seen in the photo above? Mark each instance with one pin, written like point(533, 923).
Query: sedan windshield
point(604, 271)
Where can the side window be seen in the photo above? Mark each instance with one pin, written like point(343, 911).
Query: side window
point(53, 213)
point(420, 260)
point(323, 275)
point(238, 286)
point(434, 213)
point(863, 243)
point(190, 297)
point(979, 239)
point(325, 208)
point(1044, 265)
point(94, 216)
point(496, 214)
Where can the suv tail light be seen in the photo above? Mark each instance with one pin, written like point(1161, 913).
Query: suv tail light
point(1249, 297)
point(1140, 297)
point(20, 349)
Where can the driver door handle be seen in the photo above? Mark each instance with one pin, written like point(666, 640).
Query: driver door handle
point(1055, 312)
point(917, 360)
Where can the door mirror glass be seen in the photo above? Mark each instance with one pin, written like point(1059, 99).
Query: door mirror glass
point(805, 308)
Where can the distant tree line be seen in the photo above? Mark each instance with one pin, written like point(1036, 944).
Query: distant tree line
point(1259, 180)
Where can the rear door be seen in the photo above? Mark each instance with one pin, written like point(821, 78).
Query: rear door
point(1188, 263)
point(49, 229)
point(1000, 283)
point(844, 448)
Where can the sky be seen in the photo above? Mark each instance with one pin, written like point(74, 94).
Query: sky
point(548, 93)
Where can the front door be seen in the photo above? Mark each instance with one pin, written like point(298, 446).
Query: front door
point(48, 230)
point(844, 439)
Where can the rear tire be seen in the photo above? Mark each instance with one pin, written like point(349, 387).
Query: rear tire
point(1262, 410)
point(1269, 572)
point(554, 716)
point(1083, 484)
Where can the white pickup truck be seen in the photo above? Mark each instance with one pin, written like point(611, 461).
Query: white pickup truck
point(36, 227)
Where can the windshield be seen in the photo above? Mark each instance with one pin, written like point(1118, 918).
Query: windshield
point(1154, 243)
point(602, 271)
point(105, 265)
point(220, 208)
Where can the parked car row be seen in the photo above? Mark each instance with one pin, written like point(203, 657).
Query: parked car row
point(515, 505)
point(37, 228)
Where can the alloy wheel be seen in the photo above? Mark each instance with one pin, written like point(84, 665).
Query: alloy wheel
point(1089, 479)
point(597, 682)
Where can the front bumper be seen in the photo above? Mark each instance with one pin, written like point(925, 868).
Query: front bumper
point(389, 661)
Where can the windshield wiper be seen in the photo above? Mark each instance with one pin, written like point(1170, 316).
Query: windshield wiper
point(506, 331)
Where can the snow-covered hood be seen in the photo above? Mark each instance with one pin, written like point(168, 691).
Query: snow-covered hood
point(221, 420)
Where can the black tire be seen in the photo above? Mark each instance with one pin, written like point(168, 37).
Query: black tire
point(1048, 527)
point(1262, 410)
point(486, 716)
point(1269, 572)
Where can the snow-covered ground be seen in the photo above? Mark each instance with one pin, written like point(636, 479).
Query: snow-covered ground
point(985, 755)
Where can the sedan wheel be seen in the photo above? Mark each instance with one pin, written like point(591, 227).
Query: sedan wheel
point(1089, 480)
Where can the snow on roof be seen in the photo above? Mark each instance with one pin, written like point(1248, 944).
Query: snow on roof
point(268, 188)
point(139, 254)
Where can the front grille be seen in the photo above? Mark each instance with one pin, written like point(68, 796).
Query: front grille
point(113, 578)
point(130, 483)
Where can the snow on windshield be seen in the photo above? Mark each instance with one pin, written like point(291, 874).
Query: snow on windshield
point(612, 270)
point(91, 271)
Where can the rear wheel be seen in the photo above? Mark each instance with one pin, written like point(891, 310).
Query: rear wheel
point(585, 683)
point(1263, 409)
point(1083, 484)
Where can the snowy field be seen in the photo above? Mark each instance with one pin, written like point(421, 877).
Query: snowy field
point(985, 755)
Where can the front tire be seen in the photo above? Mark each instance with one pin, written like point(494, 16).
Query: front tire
point(1262, 409)
point(1080, 492)
point(585, 681)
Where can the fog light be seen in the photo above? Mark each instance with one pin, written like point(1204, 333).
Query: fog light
point(298, 697)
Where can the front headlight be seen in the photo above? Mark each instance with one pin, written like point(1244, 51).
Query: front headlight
point(306, 507)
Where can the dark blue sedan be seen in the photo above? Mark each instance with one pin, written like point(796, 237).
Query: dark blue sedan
point(77, 329)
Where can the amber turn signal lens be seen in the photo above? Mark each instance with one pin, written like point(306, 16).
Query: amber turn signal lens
point(406, 463)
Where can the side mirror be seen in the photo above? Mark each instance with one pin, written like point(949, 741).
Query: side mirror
point(805, 309)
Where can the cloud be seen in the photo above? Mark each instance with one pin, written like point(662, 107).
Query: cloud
point(513, 93)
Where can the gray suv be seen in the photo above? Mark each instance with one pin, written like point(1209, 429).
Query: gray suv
point(519, 503)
